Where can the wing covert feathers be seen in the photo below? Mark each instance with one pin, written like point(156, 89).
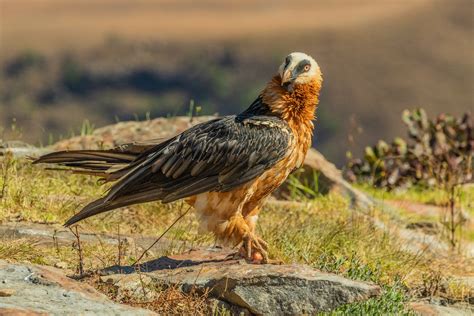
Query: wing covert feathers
point(218, 155)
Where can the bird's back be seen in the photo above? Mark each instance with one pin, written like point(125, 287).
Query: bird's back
point(219, 155)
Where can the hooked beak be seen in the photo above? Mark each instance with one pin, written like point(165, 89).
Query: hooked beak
point(286, 77)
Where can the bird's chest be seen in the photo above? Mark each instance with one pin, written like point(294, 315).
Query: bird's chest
point(251, 194)
point(274, 177)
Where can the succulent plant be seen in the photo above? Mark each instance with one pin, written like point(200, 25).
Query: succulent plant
point(436, 152)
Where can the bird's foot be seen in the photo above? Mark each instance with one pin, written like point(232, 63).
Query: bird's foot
point(254, 249)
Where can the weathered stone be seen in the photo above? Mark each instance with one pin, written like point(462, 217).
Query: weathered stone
point(219, 307)
point(40, 290)
point(430, 309)
point(53, 234)
point(133, 131)
point(261, 289)
point(20, 312)
point(20, 149)
point(6, 292)
point(430, 228)
point(329, 180)
point(61, 265)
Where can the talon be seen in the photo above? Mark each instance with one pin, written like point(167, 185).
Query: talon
point(263, 243)
point(248, 246)
point(264, 256)
point(233, 256)
point(254, 249)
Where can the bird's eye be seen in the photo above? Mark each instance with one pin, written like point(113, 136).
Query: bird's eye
point(287, 61)
point(307, 68)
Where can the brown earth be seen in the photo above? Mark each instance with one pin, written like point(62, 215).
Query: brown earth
point(52, 25)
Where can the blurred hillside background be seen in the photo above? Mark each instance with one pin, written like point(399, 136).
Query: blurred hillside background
point(64, 61)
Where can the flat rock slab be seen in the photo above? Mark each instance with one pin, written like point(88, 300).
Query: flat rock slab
point(38, 290)
point(260, 289)
point(430, 309)
point(48, 235)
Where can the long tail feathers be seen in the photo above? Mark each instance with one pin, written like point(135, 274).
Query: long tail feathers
point(110, 165)
point(101, 205)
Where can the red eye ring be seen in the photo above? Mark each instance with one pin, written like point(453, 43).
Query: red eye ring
point(307, 68)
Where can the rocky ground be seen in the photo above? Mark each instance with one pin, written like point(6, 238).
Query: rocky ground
point(179, 275)
point(227, 283)
point(231, 284)
point(41, 290)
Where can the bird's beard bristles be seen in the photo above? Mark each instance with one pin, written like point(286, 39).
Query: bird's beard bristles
point(296, 105)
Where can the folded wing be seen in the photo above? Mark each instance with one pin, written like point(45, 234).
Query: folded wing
point(218, 155)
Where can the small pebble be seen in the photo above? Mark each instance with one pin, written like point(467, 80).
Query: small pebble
point(61, 265)
point(6, 292)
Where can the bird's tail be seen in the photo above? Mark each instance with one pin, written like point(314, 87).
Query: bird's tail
point(102, 205)
point(110, 165)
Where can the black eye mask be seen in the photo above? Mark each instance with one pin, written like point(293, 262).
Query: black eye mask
point(300, 67)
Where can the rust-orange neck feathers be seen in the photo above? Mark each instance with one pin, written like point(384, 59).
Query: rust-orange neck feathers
point(296, 106)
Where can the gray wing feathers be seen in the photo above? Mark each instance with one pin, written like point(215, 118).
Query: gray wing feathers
point(218, 155)
point(223, 151)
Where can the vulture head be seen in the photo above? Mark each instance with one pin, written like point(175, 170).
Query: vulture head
point(298, 68)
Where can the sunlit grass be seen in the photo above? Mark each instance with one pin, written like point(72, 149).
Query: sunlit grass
point(434, 196)
point(430, 196)
point(320, 231)
point(21, 250)
point(327, 235)
point(35, 194)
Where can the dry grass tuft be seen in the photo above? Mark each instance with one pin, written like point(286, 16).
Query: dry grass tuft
point(20, 250)
point(165, 300)
point(322, 232)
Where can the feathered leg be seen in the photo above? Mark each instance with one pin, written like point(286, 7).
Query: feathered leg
point(241, 230)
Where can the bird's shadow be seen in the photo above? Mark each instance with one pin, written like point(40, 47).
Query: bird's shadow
point(162, 263)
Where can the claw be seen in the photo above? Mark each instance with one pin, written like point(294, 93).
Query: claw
point(233, 256)
point(263, 243)
point(255, 249)
point(248, 246)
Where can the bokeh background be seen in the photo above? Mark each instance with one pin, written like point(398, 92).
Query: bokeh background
point(63, 62)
